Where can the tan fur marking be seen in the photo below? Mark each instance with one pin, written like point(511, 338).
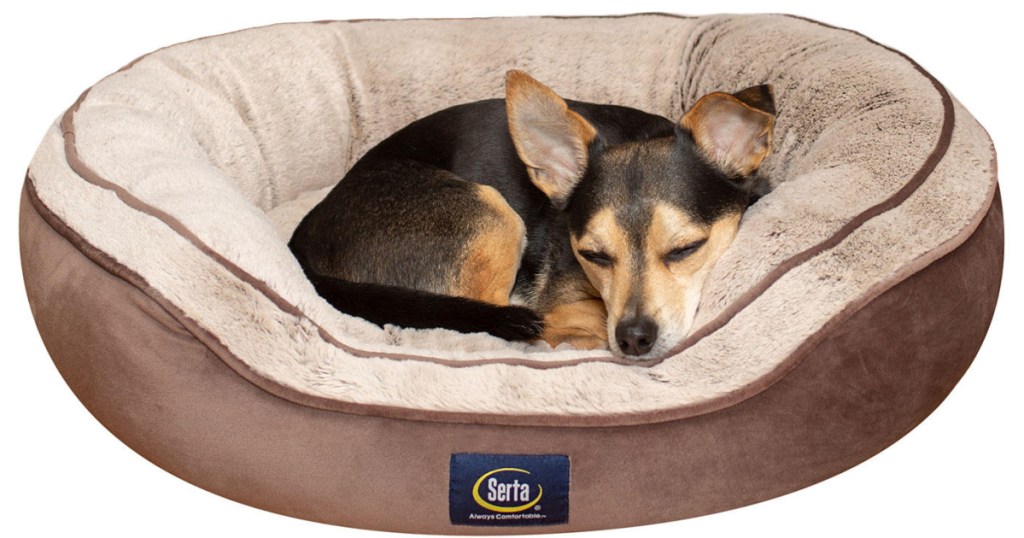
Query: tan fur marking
point(493, 255)
point(581, 324)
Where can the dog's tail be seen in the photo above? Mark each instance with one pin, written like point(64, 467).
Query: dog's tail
point(381, 304)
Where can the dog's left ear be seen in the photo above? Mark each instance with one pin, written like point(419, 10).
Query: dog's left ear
point(550, 139)
point(733, 130)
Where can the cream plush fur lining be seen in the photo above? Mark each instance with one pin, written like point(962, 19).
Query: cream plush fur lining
point(236, 136)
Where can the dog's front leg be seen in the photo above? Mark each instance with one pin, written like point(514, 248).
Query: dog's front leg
point(581, 324)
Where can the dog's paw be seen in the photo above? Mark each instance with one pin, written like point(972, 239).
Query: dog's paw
point(580, 324)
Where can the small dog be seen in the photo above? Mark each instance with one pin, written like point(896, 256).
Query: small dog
point(535, 217)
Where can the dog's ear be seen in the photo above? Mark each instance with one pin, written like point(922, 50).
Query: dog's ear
point(550, 139)
point(733, 130)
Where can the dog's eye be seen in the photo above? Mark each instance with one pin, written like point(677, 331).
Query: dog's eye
point(598, 258)
point(681, 253)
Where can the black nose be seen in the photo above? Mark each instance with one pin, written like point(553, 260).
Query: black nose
point(636, 335)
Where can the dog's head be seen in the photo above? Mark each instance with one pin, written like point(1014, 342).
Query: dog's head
point(647, 218)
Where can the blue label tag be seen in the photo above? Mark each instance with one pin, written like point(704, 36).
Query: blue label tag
point(508, 489)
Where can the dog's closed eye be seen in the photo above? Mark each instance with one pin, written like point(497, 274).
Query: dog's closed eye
point(681, 253)
point(598, 258)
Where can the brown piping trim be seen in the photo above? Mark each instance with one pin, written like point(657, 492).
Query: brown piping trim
point(545, 420)
point(289, 394)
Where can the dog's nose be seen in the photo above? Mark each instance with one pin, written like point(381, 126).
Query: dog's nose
point(636, 335)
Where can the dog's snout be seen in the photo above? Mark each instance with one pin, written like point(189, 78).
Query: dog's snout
point(636, 335)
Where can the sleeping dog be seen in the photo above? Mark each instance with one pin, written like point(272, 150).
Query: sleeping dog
point(534, 217)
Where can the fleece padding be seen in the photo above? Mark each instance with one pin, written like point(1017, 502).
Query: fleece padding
point(191, 167)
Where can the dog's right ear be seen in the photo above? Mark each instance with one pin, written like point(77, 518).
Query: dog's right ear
point(550, 139)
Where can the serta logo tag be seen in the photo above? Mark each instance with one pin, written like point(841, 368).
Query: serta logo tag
point(508, 489)
point(503, 492)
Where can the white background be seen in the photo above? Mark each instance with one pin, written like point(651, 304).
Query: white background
point(959, 473)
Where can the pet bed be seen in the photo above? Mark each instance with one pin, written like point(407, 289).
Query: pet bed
point(153, 232)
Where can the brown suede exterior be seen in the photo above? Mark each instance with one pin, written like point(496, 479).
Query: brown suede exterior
point(170, 398)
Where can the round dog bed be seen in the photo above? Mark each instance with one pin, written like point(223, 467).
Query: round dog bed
point(154, 224)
